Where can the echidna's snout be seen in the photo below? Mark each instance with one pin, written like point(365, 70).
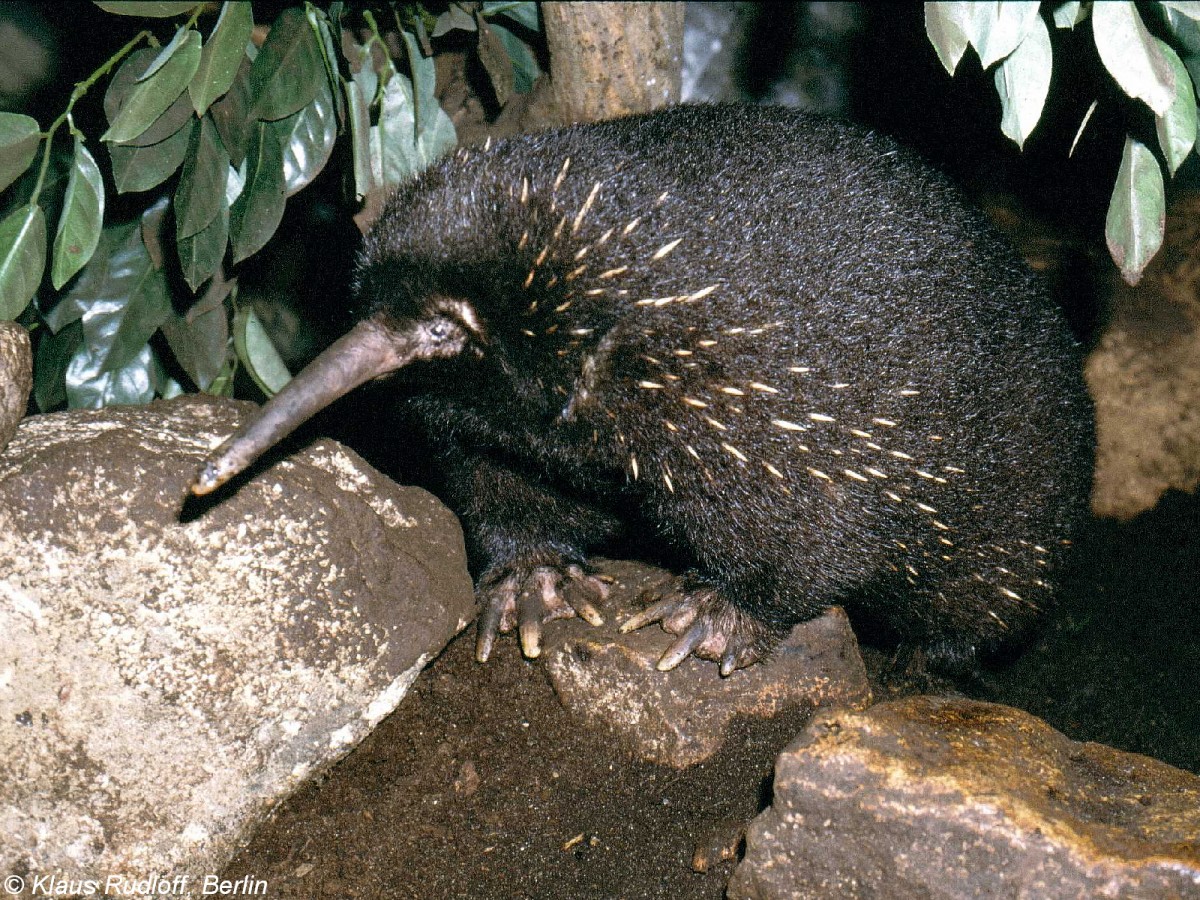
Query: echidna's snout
point(367, 351)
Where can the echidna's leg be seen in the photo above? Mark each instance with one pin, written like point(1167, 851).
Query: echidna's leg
point(709, 624)
point(527, 543)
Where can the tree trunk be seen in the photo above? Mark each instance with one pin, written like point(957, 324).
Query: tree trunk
point(612, 59)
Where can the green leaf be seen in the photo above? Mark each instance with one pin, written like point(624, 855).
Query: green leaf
point(946, 26)
point(22, 259)
point(54, 352)
point(201, 190)
point(1136, 217)
point(363, 92)
point(200, 337)
point(259, 207)
point(307, 140)
point(1023, 81)
point(525, 67)
point(1177, 129)
point(362, 69)
point(1189, 8)
point(232, 114)
point(394, 157)
point(403, 144)
point(455, 17)
point(154, 96)
point(995, 29)
point(201, 254)
point(424, 83)
point(121, 299)
point(153, 228)
point(361, 137)
point(1070, 14)
point(148, 10)
point(170, 123)
point(72, 305)
point(19, 139)
point(81, 220)
point(255, 350)
point(324, 29)
point(221, 56)
point(160, 60)
point(121, 88)
point(1131, 56)
point(90, 386)
point(141, 168)
point(117, 333)
point(289, 71)
point(525, 13)
point(1185, 32)
point(222, 385)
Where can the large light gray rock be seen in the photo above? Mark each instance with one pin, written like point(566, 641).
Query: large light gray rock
point(165, 681)
point(948, 798)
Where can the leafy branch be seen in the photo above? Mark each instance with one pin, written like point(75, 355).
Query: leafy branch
point(219, 130)
point(1157, 69)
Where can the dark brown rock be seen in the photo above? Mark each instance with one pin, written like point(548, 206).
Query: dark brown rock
point(678, 718)
point(939, 797)
point(16, 378)
point(165, 682)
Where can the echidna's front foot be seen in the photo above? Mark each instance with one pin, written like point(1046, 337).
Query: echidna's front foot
point(526, 596)
point(708, 626)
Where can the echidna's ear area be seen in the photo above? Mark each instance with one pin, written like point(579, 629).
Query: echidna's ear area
point(390, 285)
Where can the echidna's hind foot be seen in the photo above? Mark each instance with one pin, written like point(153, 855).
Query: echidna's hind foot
point(526, 596)
point(708, 626)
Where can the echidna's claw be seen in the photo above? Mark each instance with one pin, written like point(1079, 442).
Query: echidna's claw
point(655, 612)
point(684, 646)
point(708, 626)
point(526, 597)
point(489, 626)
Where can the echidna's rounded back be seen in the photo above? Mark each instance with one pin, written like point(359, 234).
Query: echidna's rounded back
point(815, 342)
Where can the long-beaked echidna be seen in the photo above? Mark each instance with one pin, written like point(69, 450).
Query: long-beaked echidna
point(780, 343)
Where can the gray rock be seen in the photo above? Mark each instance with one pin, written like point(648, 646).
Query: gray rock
point(165, 681)
point(679, 718)
point(950, 798)
point(16, 378)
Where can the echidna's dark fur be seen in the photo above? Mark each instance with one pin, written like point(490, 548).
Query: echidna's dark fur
point(780, 343)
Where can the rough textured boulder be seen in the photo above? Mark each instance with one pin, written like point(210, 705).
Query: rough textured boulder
point(166, 680)
point(16, 378)
point(947, 798)
point(679, 718)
